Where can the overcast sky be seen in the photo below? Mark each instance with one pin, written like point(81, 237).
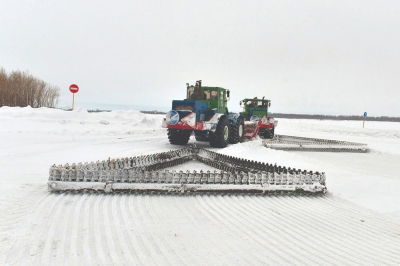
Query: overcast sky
point(310, 57)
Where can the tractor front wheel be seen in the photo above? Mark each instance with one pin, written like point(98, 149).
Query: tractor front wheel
point(178, 137)
point(237, 131)
point(220, 138)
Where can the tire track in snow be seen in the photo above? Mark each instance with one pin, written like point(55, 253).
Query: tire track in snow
point(139, 243)
point(344, 246)
point(87, 240)
point(112, 239)
point(64, 227)
point(247, 228)
point(21, 249)
point(77, 231)
point(38, 239)
point(292, 229)
point(130, 238)
point(117, 231)
point(20, 201)
point(343, 204)
point(144, 244)
point(52, 242)
point(341, 229)
point(72, 228)
point(218, 216)
point(101, 247)
point(23, 198)
point(322, 238)
point(251, 229)
point(188, 212)
point(106, 235)
point(327, 228)
point(152, 238)
point(289, 214)
point(166, 245)
point(208, 233)
point(380, 238)
point(92, 227)
point(208, 218)
point(373, 238)
point(264, 234)
point(120, 230)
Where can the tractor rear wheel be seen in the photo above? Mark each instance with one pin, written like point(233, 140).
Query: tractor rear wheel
point(220, 138)
point(178, 137)
point(237, 131)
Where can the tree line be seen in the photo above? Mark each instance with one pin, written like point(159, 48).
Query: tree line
point(19, 88)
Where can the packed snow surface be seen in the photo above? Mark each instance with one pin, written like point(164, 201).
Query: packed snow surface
point(356, 223)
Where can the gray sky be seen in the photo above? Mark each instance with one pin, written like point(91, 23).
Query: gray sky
point(323, 57)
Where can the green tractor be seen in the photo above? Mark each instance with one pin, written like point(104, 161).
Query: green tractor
point(255, 111)
point(204, 112)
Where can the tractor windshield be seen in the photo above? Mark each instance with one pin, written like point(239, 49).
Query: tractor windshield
point(194, 93)
point(210, 95)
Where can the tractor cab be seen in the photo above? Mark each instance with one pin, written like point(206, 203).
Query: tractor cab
point(215, 97)
point(255, 107)
point(256, 110)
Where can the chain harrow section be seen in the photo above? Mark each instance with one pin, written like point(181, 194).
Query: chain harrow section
point(293, 143)
point(148, 173)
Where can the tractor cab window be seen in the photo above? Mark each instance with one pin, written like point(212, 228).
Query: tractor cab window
point(194, 93)
point(207, 95)
point(210, 95)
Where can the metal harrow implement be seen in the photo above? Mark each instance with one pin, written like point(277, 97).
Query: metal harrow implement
point(292, 143)
point(149, 173)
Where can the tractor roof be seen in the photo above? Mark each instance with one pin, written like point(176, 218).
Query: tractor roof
point(255, 100)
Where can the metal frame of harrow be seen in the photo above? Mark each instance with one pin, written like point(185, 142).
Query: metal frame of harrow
point(293, 143)
point(147, 173)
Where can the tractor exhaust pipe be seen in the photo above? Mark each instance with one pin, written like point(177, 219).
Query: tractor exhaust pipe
point(198, 83)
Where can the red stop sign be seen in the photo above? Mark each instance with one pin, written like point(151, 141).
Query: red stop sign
point(74, 88)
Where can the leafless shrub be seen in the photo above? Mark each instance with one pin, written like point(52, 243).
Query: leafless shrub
point(22, 89)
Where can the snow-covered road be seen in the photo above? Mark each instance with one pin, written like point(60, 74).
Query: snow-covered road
point(356, 223)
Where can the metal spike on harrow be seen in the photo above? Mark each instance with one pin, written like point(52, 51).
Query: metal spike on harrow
point(293, 143)
point(148, 173)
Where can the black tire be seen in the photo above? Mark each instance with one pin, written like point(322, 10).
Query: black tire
point(237, 131)
point(178, 137)
point(269, 133)
point(201, 138)
point(220, 138)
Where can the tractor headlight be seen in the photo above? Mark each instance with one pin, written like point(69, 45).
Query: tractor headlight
point(271, 120)
point(254, 118)
point(172, 117)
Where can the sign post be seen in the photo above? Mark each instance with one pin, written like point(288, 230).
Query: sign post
point(365, 115)
point(74, 89)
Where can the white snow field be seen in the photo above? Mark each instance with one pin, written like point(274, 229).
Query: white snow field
point(356, 223)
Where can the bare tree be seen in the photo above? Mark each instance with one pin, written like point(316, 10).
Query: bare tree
point(21, 89)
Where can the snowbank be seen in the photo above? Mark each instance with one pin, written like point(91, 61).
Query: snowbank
point(56, 121)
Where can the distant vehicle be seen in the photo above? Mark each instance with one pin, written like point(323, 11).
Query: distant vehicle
point(256, 110)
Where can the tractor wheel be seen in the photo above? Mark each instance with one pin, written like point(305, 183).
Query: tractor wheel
point(201, 138)
point(178, 137)
point(269, 133)
point(220, 138)
point(237, 131)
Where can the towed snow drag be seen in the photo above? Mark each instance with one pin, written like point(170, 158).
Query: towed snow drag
point(149, 174)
